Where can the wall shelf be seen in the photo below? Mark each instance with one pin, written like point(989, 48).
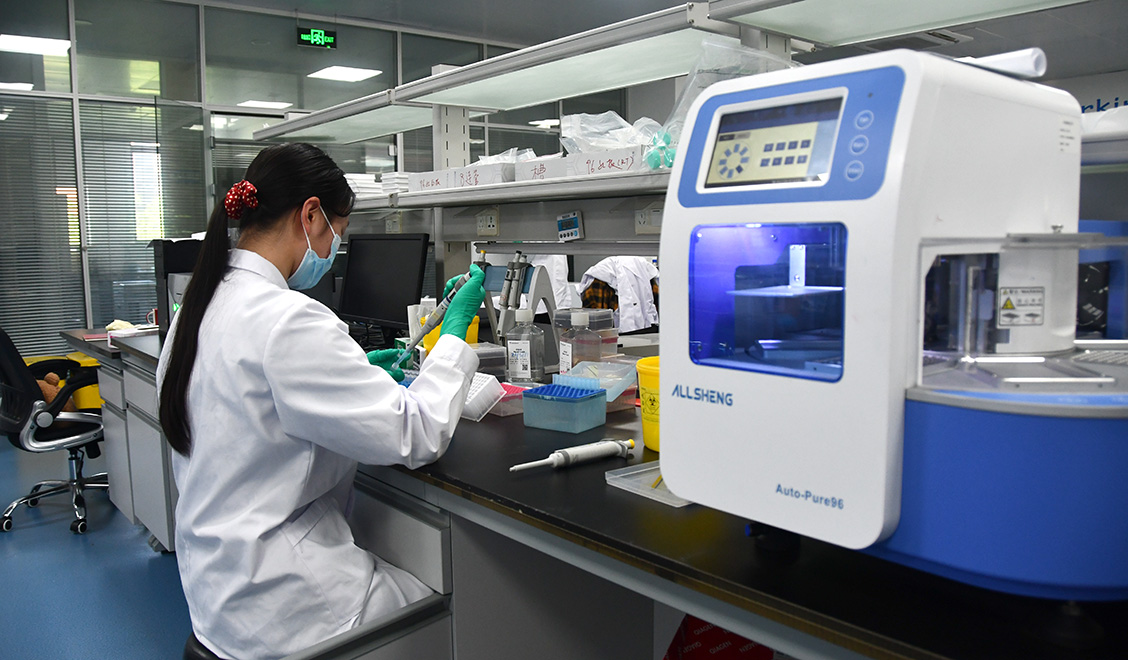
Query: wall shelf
point(659, 45)
point(628, 184)
point(1104, 137)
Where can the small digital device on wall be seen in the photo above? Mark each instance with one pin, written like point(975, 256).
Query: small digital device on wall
point(317, 37)
point(570, 226)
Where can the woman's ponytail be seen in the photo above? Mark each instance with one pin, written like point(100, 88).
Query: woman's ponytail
point(210, 268)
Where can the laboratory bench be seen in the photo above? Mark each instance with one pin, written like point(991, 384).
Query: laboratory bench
point(138, 460)
point(801, 596)
point(560, 563)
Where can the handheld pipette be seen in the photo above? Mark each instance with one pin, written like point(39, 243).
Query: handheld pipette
point(433, 319)
point(581, 454)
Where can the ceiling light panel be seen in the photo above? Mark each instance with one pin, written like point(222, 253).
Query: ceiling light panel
point(345, 73)
point(14, 43)
point(269, 105)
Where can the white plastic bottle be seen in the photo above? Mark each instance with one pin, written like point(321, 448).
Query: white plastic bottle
point(579, 344)
point(524, 348)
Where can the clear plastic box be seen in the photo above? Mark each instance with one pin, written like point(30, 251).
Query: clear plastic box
point(611, 376)
point(568, 409)
point(599, 320)
point(625, 401)
point(645, 480)
point(511, 402)
point(485, 392)
point(491, 359)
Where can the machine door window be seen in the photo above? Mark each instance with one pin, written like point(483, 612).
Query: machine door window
point(768, 298)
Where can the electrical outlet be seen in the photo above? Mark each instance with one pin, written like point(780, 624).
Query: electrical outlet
point(488, 221)
point(393, 224)
point(648, 220)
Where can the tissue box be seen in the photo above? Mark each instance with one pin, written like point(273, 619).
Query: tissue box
point(628, 159)
point(481, 175)
point(422, 181)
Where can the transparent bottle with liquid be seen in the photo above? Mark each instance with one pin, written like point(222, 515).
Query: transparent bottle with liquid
point(579, 344)
point(524, 349)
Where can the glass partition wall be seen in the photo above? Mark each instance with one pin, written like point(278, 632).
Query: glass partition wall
point(122, 120)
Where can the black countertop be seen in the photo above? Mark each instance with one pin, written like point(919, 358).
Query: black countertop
point(145, 348)
point(866, 604)
point(96, 348)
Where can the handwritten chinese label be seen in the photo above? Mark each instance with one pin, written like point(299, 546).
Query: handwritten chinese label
point(613, 164)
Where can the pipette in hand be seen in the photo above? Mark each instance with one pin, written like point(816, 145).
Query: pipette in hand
point(580, 454)
point(433, 319)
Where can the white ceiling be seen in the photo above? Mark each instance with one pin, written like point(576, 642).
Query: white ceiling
point(1081, 39)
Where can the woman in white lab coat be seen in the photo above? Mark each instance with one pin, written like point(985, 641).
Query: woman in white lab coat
point(269, 405)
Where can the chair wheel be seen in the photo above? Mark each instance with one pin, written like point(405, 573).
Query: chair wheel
point(5, 524)
point(78, 526)
point(32, 503)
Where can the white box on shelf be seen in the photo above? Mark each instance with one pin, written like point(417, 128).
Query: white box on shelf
point(423, 181)
point(607, 162)
point(481, 175)
point(540, 169)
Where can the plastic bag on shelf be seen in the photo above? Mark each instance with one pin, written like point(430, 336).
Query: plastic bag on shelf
point(587, 133)
point(512, 155)
point(720, 59)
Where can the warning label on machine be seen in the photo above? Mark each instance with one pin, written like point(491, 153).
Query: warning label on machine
point(1021, 306)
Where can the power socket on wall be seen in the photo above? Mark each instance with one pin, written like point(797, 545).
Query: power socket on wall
point(648, 220)
point(393, 224)
point(488, 221)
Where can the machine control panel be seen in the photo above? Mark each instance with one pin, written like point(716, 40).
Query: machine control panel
point(813, 140)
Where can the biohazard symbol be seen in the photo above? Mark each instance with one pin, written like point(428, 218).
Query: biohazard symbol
point(650, 402)
point(1008, 304)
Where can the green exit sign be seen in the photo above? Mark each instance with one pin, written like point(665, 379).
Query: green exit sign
point(317, 37)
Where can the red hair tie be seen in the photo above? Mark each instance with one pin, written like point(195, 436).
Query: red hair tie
point(242, 195)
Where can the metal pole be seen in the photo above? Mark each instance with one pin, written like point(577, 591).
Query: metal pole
point(83, 231)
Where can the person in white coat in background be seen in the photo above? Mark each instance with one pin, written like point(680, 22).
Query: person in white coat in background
point(269, 405)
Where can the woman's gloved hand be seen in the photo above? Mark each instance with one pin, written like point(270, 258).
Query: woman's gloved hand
point(385, 359)
point(464, 306)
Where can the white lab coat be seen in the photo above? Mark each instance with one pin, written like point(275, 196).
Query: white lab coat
point(630, 278)
point(562, 289)
point(282, 405)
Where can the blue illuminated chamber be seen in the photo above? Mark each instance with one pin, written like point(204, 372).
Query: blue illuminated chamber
point(768, 298)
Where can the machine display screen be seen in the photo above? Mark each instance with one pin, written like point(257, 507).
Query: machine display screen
point(774, 145)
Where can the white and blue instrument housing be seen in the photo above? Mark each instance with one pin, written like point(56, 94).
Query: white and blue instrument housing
point(805, 211)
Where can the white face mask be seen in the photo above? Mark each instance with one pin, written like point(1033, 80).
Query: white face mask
point(313, 267)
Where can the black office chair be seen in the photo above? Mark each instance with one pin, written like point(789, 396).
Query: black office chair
point(33, 425)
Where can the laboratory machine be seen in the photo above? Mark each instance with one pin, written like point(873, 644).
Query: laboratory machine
point(869, 304)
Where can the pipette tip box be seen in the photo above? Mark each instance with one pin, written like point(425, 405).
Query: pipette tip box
point(567, 409)
point(511, 403)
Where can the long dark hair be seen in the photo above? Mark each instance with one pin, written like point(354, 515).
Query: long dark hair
point(285, 176)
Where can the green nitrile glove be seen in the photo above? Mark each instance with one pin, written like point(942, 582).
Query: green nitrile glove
point(464, 307)
point(385, 359)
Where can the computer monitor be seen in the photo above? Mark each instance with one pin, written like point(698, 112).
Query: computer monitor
point(383, 275)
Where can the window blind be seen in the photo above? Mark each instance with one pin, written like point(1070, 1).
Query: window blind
point(40, 256)
point(143, 171)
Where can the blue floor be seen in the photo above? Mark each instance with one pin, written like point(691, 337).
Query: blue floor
point(105, 594)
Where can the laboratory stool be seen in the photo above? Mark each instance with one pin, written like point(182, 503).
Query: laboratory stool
point(195, 650)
